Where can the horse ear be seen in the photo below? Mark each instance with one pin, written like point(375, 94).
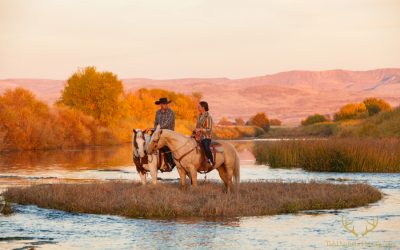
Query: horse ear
point(134, 131)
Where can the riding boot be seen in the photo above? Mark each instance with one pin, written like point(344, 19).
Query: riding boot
point(170, 160)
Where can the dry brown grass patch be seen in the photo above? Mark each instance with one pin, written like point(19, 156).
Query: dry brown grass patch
point(208, 200)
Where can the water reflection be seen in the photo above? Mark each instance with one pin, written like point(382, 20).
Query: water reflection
point(75, 159)
point(87, 158)
point(48, 229)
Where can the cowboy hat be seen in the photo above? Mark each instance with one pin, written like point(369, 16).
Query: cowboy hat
point(162, 100)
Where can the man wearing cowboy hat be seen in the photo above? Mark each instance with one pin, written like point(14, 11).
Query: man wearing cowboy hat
point(165, 117)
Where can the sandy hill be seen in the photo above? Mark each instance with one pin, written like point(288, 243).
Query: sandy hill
point(289, 96)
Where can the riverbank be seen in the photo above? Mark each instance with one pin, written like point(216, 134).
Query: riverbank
point(166, 200)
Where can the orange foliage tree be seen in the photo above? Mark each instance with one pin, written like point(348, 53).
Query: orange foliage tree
point(140, 107)
point(260, 120)
point(351, 111)
point(22, 118)
point(94, 93)
point(27, 123)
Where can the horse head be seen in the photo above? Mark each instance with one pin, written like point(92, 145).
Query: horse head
point(138, 141)
point(156, 141)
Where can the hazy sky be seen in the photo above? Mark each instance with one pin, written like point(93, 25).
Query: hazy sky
point(196, 38)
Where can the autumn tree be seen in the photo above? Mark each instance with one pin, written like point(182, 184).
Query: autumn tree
point(22, 118)
point(260, 120)
point(375, 105)
point(94, 93)
point(351, 111)
point(239, 121)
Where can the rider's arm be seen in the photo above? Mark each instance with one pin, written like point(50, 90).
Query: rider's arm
point(173, 121)
point(208, 125)
point(156, 121)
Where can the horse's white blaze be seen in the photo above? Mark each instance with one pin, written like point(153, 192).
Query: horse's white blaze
point(141, 141)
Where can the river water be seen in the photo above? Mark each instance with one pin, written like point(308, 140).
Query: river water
point(31, 226)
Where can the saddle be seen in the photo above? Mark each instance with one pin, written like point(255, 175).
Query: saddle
point(215, 148)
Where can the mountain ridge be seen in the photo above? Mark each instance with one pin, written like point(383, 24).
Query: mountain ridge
point(289, 96)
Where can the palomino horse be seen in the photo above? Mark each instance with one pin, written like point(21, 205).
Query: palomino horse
point(189, 159)
point(144, 162)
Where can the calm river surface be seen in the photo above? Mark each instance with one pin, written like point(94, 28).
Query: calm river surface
point(31, 226)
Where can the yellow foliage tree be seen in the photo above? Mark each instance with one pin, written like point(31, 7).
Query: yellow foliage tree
point(97, 94)
point(375, 105)
point(351, 111)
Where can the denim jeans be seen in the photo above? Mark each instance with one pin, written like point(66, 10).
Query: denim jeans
point(206, 147)
point(168, 154)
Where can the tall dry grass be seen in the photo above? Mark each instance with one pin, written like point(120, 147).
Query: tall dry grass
point(333, 155)
point(207, 200)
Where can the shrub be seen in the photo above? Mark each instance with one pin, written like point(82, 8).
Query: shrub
point(312, 119)
point(375, 105)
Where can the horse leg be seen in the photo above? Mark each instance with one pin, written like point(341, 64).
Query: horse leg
point(229, 175)
point(153, 173)
point(193, 176)
point(222, 174)
point(143, 178)
point(182, 176)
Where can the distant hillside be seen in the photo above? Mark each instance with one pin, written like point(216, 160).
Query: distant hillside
point(289, 96)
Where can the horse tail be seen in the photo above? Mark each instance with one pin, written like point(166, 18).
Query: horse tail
point(236, 171)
